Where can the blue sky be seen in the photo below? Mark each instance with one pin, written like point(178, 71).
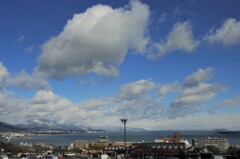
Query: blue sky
point(161, 64)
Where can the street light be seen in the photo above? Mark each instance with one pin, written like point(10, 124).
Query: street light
point(124, 121)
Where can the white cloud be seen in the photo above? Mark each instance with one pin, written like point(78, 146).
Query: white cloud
point(47, 101)
point(96, 103)
point(43, 105)
point(29, 49)
point(22, 80)
point(144, 109)
point(177, 11)
point(180, 38)
point(147, 107)
point(168, 88)
point(26, 82)
point(12, 108)
point(95, 41)
point(136, 89)
point(143, 102)
point(196, 122)
point(162, 17)
point(56, 108)
point(46, 104)
point(199, 122)
point(231, 102)
point(20, 38)
point(194, 92)
point(201, 75)
point(92, 80)
point(138, 100)
point(3, 73)
point(227, 35)
point(197, 94)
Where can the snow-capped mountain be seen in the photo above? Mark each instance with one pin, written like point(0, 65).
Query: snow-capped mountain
point(4, 127)
point(43, 124)
point(119, 128)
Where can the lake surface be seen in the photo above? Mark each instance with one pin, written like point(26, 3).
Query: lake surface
point(147, 136)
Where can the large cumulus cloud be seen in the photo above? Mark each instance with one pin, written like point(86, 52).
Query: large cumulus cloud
point(95, 41)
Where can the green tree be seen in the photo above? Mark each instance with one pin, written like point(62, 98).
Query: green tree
point(214, 149)
point(10, 147)
point(234, 151)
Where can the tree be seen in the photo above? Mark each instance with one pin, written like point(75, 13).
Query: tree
point(234, 151)
point(10, 147)
point(214, 149)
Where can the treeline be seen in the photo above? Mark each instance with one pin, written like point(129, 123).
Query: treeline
point(13, 148)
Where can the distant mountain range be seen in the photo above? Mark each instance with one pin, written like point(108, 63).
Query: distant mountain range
point(119, 128)
point(43, 124)
point(226, 131)
point(4, 127)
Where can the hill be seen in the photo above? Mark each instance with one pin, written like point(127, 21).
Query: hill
point(47, 125)
point(4, 127)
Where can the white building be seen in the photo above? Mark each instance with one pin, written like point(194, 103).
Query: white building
point(221, 143)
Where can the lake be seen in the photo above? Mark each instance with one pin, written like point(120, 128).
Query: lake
point(147, 136)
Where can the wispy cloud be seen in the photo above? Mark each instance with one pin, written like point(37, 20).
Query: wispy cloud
point(140, 101)
point(201, 75)
point(29, 49)
point(22, 80)
point(136, 89)
point(20, 38)
point(180, 38)
point(163, 17)
point(26, 82)
point(177, 11)
point(231, 102)
point(227, 35)
point(195, 91)
point(168, 88)
point(3, 73)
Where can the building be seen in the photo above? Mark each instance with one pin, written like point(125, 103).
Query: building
point(159, 149)
point(117, 144)
point(103, 139)
point(161, 145)
point(80, 144)
point(221, 143)
point(3, 139)
point(174, 139)
point(99, 144)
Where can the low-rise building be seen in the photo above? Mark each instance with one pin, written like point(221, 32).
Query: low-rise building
point(159, 149)
point(115, 144)
point(80, 144)
point(174, 139)
point(221, 143)
point(103, 139)
point(100, 144)
point(3, 139)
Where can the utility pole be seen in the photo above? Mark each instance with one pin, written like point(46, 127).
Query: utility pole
point(124, 121)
